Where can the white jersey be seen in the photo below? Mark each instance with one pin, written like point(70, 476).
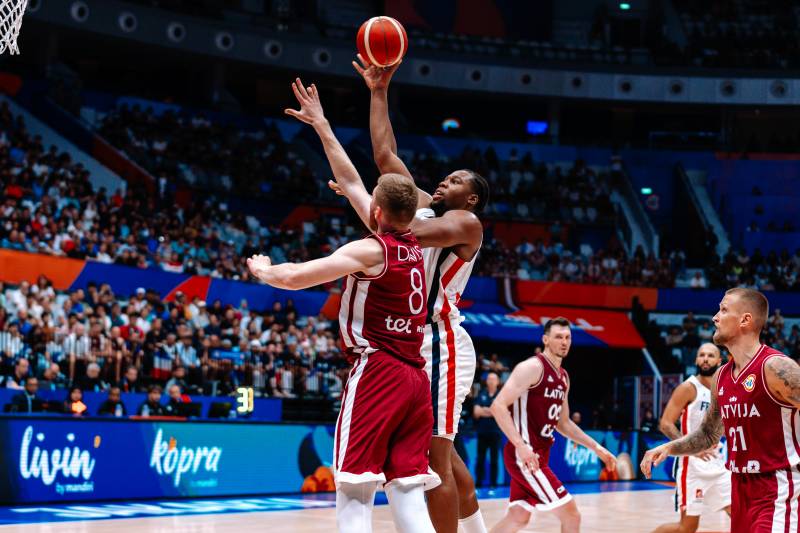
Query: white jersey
point(446, 277)
point(691, 419)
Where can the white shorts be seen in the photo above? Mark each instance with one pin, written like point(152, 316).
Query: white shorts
point(450, 365)
point(696, 491)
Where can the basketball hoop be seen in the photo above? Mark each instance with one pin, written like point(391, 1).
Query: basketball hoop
point(11, 12)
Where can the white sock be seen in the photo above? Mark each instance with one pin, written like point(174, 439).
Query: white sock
point(408, 507)
point(473, 524)
point(354, 507)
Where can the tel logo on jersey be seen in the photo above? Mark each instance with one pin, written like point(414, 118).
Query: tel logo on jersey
point(749, 383)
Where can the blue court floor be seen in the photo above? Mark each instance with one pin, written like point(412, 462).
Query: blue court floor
point(155, 508)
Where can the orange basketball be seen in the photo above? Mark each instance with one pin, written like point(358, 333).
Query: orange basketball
point(382, 41)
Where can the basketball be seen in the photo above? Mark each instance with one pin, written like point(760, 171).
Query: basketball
point(382, 41)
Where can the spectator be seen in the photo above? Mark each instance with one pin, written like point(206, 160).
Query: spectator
point(74, 403)
point(113, 404)
point(698, 281)
point(28, 401)
point(706, 331)
point(489, 435)
point(175, 399)
point(52, 378)
point(130, 381)
point(576, 417)
point(152, 405)
point(649, 423)
point(177, 379)
point(17, 379)
point(92, 381)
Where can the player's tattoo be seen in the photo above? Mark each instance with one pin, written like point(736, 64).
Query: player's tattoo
point(788, 372)
point(704, 437)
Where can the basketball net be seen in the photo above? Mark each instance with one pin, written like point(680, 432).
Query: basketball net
point(11, 12)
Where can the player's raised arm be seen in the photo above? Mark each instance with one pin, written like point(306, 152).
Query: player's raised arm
point(384, 144)
point(706, 436)
point(347, 177)
point(453, 228)
point(524, 375)
point(366, 255)
point(570, 430)
point(783, 379)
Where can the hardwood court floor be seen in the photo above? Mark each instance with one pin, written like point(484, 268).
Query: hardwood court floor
point(606, 512)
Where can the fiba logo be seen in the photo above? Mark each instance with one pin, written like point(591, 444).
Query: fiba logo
point(37, 462)
point(749, 383)
point(169, 459)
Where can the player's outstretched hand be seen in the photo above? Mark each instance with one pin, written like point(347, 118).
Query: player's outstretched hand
point(258, 264)
point(376, 78)
point(335, 188)
point(529, 459)
point(310, 110)
point(654, 457)
point(608, 459)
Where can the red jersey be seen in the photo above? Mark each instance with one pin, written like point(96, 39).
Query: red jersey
point(762, 432)
point(386, 312)
point(537, 412)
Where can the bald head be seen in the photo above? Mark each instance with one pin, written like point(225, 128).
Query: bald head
point(753, 302)
point(708, 359)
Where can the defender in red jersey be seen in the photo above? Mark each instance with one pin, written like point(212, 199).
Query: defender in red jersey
point(754, 403)
point(385, 418)
point(529, 409)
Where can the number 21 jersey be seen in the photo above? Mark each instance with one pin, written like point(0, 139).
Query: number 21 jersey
point(536, 413)
point(762, 432)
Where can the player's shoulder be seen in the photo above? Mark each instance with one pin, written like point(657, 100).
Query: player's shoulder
point(685, 392)
point(778, 362)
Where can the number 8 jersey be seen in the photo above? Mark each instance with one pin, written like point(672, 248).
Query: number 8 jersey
point(536, 413)
point(386, 313)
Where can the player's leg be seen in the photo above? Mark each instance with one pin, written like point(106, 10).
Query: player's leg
point(569, 516)
point(443, 500)
point(688, 524)
point(469, 513)
point(354, 502)
point(515, 519)
point(407, 469)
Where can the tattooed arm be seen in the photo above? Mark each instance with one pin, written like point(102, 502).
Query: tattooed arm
point(783, 379)
point(703, 438)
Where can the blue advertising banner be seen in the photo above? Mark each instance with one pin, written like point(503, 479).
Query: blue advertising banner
point(65, 460)
point(51, 460)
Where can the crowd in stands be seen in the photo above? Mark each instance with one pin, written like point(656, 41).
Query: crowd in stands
point(95, 340)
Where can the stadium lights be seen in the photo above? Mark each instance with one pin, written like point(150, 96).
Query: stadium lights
point(647, 190)
point(624, 6)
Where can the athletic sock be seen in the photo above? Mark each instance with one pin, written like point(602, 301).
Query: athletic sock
point(474, 523)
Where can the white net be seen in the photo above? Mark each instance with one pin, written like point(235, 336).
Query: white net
point(11, 12)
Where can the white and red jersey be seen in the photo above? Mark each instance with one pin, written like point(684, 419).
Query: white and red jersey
point(691, 419)
point(446, 277)
point(536, 413)
point(386, 312)
point(762, 431)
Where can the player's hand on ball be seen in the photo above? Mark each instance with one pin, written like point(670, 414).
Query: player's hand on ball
point(608, 458)
point(258, 264)
point(310, 107)
point(654, 457)
point(529, 459)
point(375, 77)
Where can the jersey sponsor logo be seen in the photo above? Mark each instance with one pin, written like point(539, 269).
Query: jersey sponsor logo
point(406, 253)
point(721, 391)
point(749, 383)
point(398, 325)
point(752, 467)
point(739, 410)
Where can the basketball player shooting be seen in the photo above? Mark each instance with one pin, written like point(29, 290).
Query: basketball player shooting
point(451, 235)
point(382, 433)
point(701, 482)
point(754, 403)
point(531, 406)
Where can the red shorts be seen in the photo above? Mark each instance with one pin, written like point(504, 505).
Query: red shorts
point(384, 428)
point(540, 491)
point(766, 503)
